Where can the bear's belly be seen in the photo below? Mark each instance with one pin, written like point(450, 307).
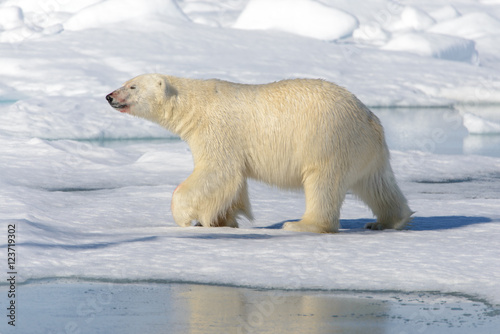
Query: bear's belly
point(280, 173)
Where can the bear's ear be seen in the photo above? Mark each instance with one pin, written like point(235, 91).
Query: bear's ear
point(165, 85)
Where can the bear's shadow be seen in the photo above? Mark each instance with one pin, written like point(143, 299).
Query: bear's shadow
point(417, 223)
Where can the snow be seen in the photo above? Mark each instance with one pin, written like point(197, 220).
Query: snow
point(89, 189)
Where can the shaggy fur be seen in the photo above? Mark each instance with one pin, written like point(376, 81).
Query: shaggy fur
point(309, 134)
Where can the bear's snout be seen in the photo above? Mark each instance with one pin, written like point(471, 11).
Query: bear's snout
point(116, 103)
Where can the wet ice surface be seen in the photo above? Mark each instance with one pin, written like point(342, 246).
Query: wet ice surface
point(110, 307)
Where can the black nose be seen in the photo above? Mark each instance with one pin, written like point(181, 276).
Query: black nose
point(109, 98)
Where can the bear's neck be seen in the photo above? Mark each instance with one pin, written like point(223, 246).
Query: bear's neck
point(185, 110)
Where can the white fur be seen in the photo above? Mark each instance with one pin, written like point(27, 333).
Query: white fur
point(293, 133)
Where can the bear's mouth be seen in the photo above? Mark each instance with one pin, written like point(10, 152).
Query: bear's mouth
point(119, 106)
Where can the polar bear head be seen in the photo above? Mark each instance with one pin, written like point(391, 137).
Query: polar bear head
point(143, 96)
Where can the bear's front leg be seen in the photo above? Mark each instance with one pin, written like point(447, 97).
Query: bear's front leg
point(181, 207)
point(227, 219)
point(211, 198)
point(241, 205)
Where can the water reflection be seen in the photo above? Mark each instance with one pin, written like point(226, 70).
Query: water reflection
point(213, 309)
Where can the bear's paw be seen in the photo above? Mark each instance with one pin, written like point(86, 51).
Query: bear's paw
point(303, 226)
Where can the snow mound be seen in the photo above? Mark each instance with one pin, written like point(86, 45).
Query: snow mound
point(15, 28)
point(435, 46)
point(471, 26)
point(412, 19)
point(302, 17)
point(113, 11)
point(11, 18)
point(213, 13)
point(444, 13)
point(419, 32)
point(479, 125)
point(371, 34)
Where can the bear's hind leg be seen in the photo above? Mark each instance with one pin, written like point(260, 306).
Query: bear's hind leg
point(324, 196)
point(380, 191)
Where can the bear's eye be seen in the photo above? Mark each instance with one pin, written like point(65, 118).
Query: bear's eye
point(132, 87)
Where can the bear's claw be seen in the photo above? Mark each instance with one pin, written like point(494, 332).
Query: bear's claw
point(375, 226)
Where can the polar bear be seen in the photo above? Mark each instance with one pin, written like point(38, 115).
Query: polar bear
point(299, 133)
